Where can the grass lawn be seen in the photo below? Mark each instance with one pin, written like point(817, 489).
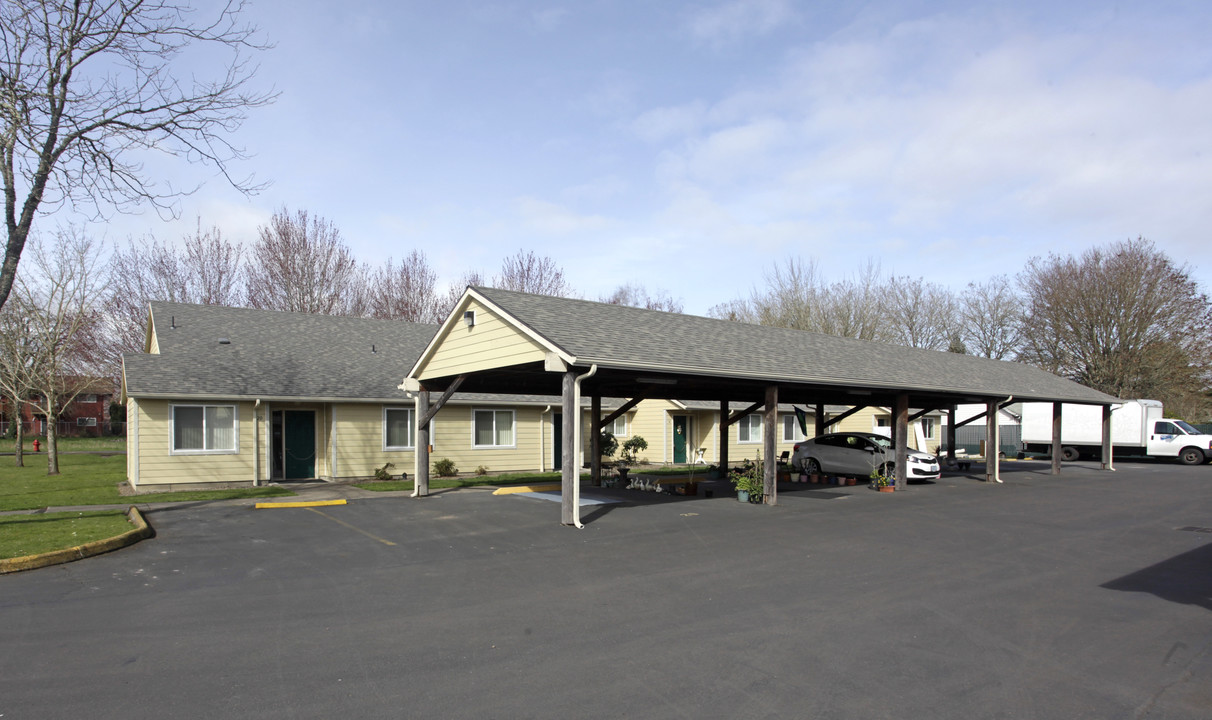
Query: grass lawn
point(22, 535)
point(91, 480)
point(68, 444)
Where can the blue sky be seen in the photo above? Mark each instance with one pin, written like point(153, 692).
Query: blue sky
point(688, 146)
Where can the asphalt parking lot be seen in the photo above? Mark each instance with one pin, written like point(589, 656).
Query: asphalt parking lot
point(1087, 595)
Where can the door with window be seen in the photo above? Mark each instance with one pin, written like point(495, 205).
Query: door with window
point(1165, 440)
point(294, 434)
point(681, 430)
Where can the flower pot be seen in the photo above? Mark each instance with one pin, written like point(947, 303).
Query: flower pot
point(742, 496)
point(850, 482)
point(887, 488)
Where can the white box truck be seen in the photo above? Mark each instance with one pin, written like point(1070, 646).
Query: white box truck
point(1137, 428)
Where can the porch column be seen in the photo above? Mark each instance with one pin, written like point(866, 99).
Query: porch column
point(595, 440)
point(900, 430)
point(770, 423)
point(724, 438)
point(1108, 450)
point(1057, 414)
point(568, 454)
point(420, 481)
point(991, 443)
point(951, 436)
point(820, 419)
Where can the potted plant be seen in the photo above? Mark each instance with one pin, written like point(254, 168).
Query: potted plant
point(880, 481)
point(749, 481)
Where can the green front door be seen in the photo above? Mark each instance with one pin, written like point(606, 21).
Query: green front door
point(299, 444)
point(680, 427)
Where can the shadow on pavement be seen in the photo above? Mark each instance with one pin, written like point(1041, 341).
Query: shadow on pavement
point(1185, 579)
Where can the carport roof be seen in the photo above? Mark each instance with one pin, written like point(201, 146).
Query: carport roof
point(691, 357)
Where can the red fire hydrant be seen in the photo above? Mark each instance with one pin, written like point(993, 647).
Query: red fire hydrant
point(36, 445)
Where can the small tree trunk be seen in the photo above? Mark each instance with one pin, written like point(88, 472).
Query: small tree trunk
point(18, 456)
point(52, 447)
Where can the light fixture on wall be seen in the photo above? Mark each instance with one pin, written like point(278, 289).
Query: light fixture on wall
point(469, 318)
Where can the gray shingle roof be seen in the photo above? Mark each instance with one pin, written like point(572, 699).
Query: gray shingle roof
point(272, 354)
point(616, 336)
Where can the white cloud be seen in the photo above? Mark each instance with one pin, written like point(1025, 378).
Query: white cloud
point(550, 218)
point(731, 22)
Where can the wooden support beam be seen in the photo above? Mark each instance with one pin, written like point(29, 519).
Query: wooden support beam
point(819, 420)
point(770, 423)
point(433, 410)
point(991, 443)
point(951, 436)
point(1108, 450)
point(974, 418)
point(420, 471)
point(1057, 416)
point(920, 413)
point(595, 440)
point(900, 431)
point(742, 413)
point(724, 438)
point(844, 415)
point(618, 413)
point(569, 472)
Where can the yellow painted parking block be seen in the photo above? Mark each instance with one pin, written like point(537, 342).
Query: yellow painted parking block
point(526, 488)
point(300, 504)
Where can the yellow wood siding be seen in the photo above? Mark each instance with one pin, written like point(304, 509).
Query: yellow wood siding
point(158, 466)
point(491, 343)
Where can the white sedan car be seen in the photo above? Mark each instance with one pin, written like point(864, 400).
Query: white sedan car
point(857, 454)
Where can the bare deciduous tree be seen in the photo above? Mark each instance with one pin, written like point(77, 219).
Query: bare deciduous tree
point(1125, 320)
point(206, 269)
point(58, 293)
point(529, 273)
point(638, 296)
point(19, 370)
point(991, 312)
point(88, 87)
point(797, 297)
point(408, 292)
point(921, 315)
point(300, 263)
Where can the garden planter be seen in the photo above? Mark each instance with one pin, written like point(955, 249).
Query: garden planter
point(888, 489)
point(742, 496)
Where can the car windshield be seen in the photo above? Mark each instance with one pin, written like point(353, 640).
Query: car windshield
point(1187, 428)
point(884, 442)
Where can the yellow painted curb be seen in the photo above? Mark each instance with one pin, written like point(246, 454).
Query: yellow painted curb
point(526, 488)
point(55, 557)
point(299, 504)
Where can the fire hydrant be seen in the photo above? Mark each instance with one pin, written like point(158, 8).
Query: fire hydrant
point(36, 445)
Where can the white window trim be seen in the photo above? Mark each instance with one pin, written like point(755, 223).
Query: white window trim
point(412, 420)
point(750, 424)
point(933, 427)
point(513, 418)
point(796, 435)
point(623, 419)
point(172, 429)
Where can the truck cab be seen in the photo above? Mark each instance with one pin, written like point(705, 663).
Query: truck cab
point(1177, 439)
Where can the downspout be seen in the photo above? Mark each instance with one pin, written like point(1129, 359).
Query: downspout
point(997, 422)
point(576, 441)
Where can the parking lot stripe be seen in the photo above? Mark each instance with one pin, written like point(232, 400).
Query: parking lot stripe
point(511, 489)
point(297, 504)
point(351, 527)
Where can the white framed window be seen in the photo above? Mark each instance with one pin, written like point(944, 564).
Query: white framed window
point(791, 429)
point(88, 398)
point(618, 428)
point(927, 427)
point(399, 430)
point(86, 422)
point(492, 429)
point(749, 428)
point(204, 429)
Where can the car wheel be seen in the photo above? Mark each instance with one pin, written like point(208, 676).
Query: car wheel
point(1069, 454)
point(814, 467)
point(1191, 456)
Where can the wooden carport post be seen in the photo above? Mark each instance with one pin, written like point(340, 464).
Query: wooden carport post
point(951, 436)
point(724, 439)
point(1057, 415)
point(569, 473)
point(595, 440)
point(991, 442)
point(420, 474)
point(900, 422)
point(820, 420)
point(770, 489)
point(1108, 449)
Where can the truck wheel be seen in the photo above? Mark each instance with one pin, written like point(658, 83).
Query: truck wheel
point(1069, 454)
point(1191, 456)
